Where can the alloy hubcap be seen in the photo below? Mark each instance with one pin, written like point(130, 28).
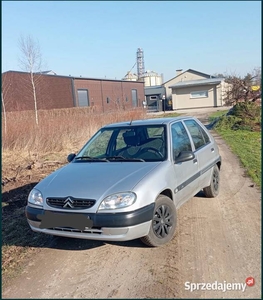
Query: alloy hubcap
point(216, 180)
point(162, 221)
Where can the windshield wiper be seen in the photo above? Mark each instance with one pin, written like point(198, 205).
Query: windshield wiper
point(115, 158)
point(89, 158)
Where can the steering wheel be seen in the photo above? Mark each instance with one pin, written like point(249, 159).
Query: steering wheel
point(151, 149)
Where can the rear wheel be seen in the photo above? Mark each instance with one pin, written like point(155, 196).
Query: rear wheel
point(212, 190)
point(163, 223)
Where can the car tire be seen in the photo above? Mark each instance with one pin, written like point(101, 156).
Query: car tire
point(212, 190)
point(163, 223)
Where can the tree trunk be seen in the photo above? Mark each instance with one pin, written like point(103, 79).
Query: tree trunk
point(35, 97)
point(3, 103)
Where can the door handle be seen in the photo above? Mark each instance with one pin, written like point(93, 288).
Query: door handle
point(195, 161)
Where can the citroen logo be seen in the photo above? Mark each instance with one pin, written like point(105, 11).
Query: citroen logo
point(68, 203)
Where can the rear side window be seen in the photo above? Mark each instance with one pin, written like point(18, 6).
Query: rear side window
point(206, 137)
point(199, 136)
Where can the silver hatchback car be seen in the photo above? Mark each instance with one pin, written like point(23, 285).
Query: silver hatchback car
point(127, 182)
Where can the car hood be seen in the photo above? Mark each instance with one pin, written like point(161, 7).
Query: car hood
point(94, 180)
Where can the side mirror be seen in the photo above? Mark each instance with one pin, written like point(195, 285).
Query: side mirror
point(71, 156)
point(184, 156)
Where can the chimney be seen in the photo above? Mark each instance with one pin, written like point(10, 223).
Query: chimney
point(178, 72)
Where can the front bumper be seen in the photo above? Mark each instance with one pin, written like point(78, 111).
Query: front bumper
point(105, 226)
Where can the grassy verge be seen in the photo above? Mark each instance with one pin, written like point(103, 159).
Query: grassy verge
point(167, 114)
point(246, 145)
point(217, 114)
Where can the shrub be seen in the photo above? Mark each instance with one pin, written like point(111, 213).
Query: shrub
point(243, 116)
point(227, 122)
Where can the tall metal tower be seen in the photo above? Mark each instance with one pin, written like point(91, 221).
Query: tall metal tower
point(140, 63)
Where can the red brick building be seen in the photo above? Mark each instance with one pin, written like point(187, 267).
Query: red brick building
point(55, 91)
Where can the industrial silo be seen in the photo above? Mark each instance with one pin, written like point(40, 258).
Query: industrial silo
point(152, 78)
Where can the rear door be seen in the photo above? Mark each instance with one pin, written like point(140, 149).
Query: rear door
point(204, 150)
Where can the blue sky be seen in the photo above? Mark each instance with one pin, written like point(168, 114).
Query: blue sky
point(100, 38)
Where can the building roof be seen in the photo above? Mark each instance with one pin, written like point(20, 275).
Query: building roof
point(74, 77)
point(188, 83)
point(192, 71)
point(153, 90)
point(48, 72)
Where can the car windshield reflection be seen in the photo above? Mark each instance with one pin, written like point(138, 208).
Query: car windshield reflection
point(131, 143)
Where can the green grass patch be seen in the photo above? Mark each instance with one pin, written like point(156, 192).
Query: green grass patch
point(242, 132)
point(169, 115)
point(217, 114)
point(247, 146)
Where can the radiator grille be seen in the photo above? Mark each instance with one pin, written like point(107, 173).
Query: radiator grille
point(70, 203)
point(69, 229)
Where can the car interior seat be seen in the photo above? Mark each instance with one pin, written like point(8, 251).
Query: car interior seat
point(132, 142)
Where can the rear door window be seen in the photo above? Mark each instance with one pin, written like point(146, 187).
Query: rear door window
point(199, 136)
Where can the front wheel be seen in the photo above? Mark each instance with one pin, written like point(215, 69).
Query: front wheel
point(212, 190)
point(163, 223)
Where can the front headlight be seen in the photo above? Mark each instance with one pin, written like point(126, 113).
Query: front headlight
point(35, 197)
point(119, 200)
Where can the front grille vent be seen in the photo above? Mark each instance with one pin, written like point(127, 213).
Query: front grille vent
point(95, 231)
point(70, 203)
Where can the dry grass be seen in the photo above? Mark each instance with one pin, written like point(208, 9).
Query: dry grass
point(58, 130)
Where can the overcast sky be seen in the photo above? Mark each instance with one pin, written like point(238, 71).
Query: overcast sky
point(100, 39)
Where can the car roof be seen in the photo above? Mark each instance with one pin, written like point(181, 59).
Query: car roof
point(155, 121)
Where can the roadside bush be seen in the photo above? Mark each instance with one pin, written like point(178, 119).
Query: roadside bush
point(243, 116)
point(247, 110)
point(227, 122)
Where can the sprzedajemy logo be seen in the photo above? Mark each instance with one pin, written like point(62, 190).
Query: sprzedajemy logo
point(219, 286)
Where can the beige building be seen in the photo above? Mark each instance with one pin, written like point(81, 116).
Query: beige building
point(192, 89)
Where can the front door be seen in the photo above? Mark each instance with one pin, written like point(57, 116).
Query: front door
point(186, 173)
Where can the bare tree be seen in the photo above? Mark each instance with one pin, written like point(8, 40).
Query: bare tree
point(257, 76)
point(6, 89)
point(247, 89)
point(31, 62)
point(4, 112)
point(219, 75)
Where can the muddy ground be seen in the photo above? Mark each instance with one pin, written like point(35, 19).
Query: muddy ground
point(217, 240)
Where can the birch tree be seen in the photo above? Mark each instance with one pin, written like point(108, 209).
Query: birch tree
point(6, 88)
point(4, 112)
point(31, 61)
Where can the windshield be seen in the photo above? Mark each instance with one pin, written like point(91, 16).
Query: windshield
point(132, 143)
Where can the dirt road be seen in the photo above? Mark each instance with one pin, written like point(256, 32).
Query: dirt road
point(218, 241)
